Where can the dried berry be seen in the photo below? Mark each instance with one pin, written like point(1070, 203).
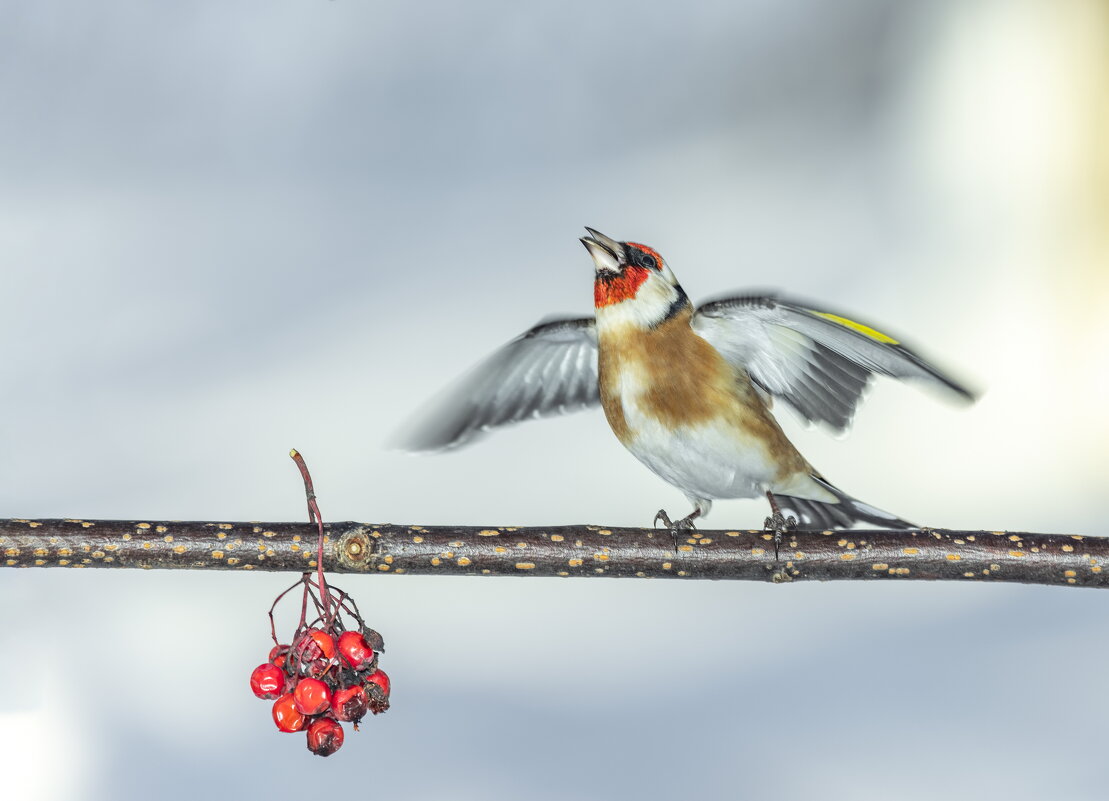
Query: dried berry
point(374, 640)
point(377, 688)
point(350, 703)
point(314, 653)
point(325, 737)
point(316, 668)
point(381, 679)
point(278, 654)
point(324, 641)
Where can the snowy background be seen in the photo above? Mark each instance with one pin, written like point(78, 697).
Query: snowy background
point(232, 228)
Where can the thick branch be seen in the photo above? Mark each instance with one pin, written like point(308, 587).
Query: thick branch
point(928, 554)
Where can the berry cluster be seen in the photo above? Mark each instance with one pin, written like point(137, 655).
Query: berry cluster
point(327, 675)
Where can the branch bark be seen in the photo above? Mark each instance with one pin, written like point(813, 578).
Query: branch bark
point(584, 550)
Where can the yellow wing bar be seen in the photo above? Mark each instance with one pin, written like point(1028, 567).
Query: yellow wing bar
point(865, 330)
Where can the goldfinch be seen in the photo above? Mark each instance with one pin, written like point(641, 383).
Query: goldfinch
point(689, 391)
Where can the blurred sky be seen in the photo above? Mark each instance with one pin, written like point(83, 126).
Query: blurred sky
point(228, 229)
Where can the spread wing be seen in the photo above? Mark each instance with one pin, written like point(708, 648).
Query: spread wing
point(550, 369)
point(818, 362)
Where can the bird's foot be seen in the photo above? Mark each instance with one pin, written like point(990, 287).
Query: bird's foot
point(677, 526)
point(684, 524)
point(778, 523)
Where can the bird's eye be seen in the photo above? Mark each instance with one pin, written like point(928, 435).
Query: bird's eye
point(641, 259)
point(642, 256)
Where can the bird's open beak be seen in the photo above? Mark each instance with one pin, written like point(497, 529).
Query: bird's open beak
point(608, 254)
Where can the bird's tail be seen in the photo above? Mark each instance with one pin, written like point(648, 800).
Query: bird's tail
point(844, 512)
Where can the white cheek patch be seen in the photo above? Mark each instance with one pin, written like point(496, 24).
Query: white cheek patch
point(648, 308)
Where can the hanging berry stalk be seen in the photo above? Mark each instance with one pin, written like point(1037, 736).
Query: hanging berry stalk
point(328, 670)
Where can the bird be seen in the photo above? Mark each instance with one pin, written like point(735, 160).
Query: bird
point(689, 391)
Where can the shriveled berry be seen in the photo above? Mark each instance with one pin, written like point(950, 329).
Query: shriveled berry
point(350, 703)
point(278, 655)
point(305, 650)
point(312, 697)
point(285, 714)
point(325, 737)
point(377, 689)
point(314, 652)
point(381, 679)
point(355, 651)
point(374, 640)
point(324, 641)
point(267, 681)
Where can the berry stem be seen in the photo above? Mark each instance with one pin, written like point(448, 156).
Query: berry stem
point(314, 516)
point(276, 601)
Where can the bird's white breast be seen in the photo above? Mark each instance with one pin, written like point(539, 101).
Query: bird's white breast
point(712, 458)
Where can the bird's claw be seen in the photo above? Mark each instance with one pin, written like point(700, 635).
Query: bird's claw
point(676, 526)
point(780, 525)
point(684, 524)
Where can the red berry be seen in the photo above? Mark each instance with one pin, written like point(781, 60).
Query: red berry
point(325, 737)
point(314, 652)
point(324, 641)
point(312, 697)
point(381, 679)
point(377, 688)
point(306, 650)
point(267, 681)
point(278, 654)
point(285, 714)
point(355, 651)
point(350, 703)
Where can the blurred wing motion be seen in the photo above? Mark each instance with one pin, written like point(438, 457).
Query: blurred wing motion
point(550, 369)
point(817, 362)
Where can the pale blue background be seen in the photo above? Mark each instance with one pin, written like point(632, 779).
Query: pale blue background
point(228, 229)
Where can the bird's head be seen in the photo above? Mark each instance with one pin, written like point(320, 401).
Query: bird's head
point(632, 280)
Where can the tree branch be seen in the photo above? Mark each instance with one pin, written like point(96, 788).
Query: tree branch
point(921, 554)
